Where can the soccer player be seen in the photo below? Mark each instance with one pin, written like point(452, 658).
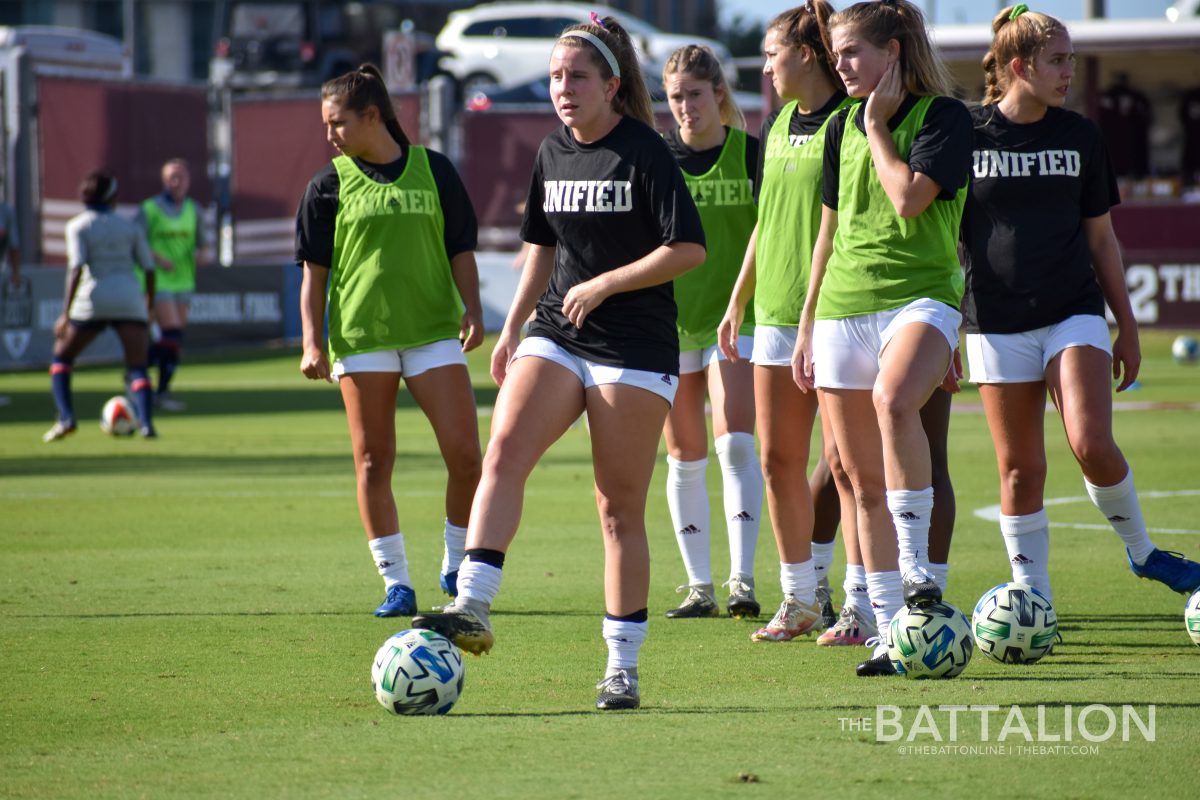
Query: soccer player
point(103, 252)
point(775, 271)
point(717, 158)
point(176, 234)
point(880, 322)
point(610, 224)
point(387, 230)
point(1042, 261)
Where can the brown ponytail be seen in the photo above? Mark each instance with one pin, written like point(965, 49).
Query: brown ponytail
point(809, 25)
point(1021, 37)
point(362, 88)
point(632, 98)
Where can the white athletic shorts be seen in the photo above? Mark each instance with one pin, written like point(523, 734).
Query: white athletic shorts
point(1022, 357)
point(408, 361)
point(846, 351)
point(592, 374)
point(774, 345)
point(698, 360)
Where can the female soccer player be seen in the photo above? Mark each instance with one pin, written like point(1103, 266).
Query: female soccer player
point(775, 271)
point(1042, 260)
point(610, 223)
point(388, 231)
point(102, 289)
point(881, 318)
point(717, 158)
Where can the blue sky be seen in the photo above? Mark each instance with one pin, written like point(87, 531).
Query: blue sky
point(961, 11)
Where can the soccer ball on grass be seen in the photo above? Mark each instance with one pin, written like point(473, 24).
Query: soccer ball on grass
point(930, 642)
point(417, 672)
point(117, 418)
point(1191, 616)
point(1014, 623)
point(1185, 350)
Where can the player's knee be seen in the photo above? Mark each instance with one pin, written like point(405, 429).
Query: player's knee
point(1025, 480)
point(375, 467)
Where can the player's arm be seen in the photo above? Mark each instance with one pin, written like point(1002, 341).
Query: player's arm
point(1110, 274)
point(802, 357)
point(664, 263)
point(466, 277)
point(535, 277)
point(743, 290)
point(314, 363)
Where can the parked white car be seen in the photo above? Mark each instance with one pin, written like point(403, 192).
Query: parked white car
point(507, 44)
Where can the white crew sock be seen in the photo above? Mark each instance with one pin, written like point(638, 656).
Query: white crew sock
point(624, 640)
point(822, 556)
point(1120, 505)
point(478, 581)
point(742, 494)
point(455, 539)
point(799, 580)
point(1027, 540)
point(855, 587)
point(887, 597)
point(687, 498)
point(911, 510)
point(390, 560)
point(940, 573)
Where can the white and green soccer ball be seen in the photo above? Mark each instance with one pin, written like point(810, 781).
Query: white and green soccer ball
point(417, 672)
point(930, 641)
point(1014, 623)
point(1185, 350)
point(1191, 616)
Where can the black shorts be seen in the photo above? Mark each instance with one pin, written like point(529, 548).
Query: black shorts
point(101, 324)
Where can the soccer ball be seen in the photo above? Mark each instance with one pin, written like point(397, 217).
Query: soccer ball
point(930, 642)
point(1185, 350)
point(117, 417)
point(1014, 623)
point(1191, 616)
point(417, 672)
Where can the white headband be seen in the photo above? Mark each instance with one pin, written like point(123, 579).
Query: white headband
point(601, 46)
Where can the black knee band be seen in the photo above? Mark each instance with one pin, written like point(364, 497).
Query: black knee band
point(481, 555)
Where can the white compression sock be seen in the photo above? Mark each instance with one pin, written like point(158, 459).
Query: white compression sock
point(799, 580)
point(822, 556)
point(687, 499)
point(911, 511)
point(390, 560)
point(1119, 504)
point(624, 640)
point(455, 539)
point(887, 597)
point(478, 581)
point(1027, 540)
point(855, 586)
point(742, 494)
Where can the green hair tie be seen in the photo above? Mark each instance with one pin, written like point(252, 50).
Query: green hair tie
point(1018, 10)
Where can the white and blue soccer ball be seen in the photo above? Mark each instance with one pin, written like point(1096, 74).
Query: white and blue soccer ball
point(117, 418)
point(1191, 616)
point(930, 641)
point(1185, 350)
point(1014, 623)
point(417, 672)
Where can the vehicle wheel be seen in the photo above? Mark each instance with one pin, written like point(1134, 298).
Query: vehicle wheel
point(468, 85)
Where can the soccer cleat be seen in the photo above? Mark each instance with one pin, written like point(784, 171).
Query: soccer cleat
point(875, 667)
point(700, 602)
point(449, 583)
point(464, 623)
point(850, 629)
point(60, 430)
point(920, 588)
point(791, 620)
point(169, 402)
point(401, 601)
point(825, 601)
point(741, 602)
point(618, 691)
point(1169, 568)
point(148, 432)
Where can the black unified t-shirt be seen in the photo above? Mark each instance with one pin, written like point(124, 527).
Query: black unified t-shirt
point(602, 206)
point(317, 213)
point(698, 162)
point(941, 149)
point(801, 128)
point(1027, 258)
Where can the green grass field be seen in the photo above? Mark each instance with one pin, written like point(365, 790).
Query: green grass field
point(190, 617)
